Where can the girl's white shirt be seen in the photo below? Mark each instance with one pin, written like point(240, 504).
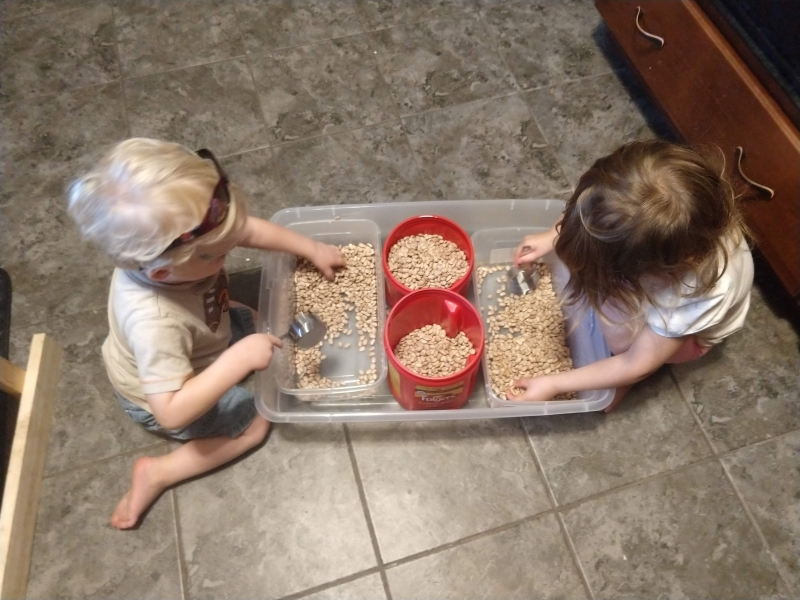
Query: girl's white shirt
point(712, 316)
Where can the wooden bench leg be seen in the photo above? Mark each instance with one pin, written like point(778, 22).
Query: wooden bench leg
point(26, 466)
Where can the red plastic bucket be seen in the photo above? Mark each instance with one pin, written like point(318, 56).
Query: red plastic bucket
point(434, 225)
point(454, 313)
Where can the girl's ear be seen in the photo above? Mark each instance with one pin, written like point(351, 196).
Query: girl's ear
point(158, 274)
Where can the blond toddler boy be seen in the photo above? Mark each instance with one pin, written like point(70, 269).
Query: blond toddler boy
point(176, 348)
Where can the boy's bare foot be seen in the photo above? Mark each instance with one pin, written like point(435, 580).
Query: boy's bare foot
point(144, 490)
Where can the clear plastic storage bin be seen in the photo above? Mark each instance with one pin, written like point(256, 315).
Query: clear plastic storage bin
point(473, 215)
point(341, 365)
point(584, 338)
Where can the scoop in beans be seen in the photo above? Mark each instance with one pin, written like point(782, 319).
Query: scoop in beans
point(355, 288)
point(429, 352)
point(525, 335)
point(427, 261)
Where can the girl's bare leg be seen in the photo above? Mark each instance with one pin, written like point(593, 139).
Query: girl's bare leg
point(153, 474)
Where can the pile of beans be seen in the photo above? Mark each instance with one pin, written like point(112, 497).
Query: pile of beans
point(355, 288)
point(429, 352)
point(427, 261)
point(525, 334)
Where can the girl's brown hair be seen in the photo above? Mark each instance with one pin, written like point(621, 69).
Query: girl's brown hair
point(650, 208)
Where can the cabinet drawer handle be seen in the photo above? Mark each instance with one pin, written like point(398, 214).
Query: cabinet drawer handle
point(650, 36)
point(739, 151)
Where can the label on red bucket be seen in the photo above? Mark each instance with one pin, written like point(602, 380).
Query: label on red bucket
point(415, 396)
point(437, 395)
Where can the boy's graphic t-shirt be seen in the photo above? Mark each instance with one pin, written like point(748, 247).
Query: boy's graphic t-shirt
point(713, 316)
point(161, 335)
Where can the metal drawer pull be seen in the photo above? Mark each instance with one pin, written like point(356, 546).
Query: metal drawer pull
point(739, 151)
point(660, 40)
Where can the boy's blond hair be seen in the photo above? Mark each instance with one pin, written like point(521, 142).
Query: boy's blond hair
point(142, 195)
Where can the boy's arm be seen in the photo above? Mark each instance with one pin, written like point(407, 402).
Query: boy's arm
point(175, 410)
point(645, 356)
point(264, 235)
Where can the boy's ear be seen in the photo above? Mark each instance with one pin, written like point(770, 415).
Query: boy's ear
point(158, 274)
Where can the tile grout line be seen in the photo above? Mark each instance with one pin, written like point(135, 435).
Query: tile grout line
point(751, 518)
point(183, 68)
point(466, 540)
point(539, 466)
point(758, 443)
point(453, 106)
point(561, 524)
point(331, 584)
point(496, 47)
point(719, 456)
point(547, 86)
point(707, 436)
point(105, 459)
point(311, 137)
point(395, 108)
point(183, 572)
point(284, 196)
point(739, 496)
point(123, 103)
point(362, 496)
point(632, 484)
point(694, 414)
point(559, 510)
point(574, 553)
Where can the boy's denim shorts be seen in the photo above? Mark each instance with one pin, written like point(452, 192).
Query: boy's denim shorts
point(229, 417)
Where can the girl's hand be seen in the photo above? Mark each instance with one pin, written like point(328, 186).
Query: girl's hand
point(535, 246)
point(326, 257)
point(537, 389)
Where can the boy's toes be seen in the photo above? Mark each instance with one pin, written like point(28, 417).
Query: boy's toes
point(121, 519)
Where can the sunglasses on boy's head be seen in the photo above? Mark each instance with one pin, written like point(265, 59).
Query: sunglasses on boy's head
point(217, 211)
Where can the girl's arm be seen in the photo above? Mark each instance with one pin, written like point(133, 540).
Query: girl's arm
point(264, 235)
point(535, 246)
point(647, 353)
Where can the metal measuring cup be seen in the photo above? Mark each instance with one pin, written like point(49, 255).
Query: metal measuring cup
point(306, 330)
point(522, 281)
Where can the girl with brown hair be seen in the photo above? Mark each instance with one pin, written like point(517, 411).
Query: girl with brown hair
point(655, 244)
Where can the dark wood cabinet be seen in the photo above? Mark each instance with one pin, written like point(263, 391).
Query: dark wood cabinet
point(712, 97)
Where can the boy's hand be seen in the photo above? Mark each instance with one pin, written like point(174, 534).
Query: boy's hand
point(537, 389)
point(326, 257)
point(534, 247)
point(257, 349)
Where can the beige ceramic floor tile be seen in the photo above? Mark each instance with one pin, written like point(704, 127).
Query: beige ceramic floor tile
point(485, 149)
point(281, 520)
point(158, 36)
point(366, 588)
point(768, 477)
point(211, 106)
point(431, 483)
point(651, 431)
point(746, 389)
point(683, 536)
point(88, 424)
point(78, 554)
point(530, 560)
